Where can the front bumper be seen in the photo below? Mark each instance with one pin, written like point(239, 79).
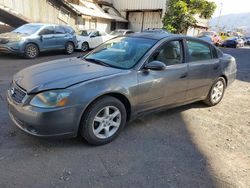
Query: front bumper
point(58, 122)
point(12, 48)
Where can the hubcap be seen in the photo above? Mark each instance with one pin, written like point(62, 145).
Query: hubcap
point(84, 47)
point(31, 51)
point(217, 92)
point(70, 48)
point(106, 122)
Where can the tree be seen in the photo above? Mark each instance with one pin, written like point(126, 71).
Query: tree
point(180, 14)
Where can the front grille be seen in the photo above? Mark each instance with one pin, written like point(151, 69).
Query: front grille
point(17, 94)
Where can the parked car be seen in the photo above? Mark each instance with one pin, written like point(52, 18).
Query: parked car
point(213, 35)
point(206, 38)
point(31, 39)
point(233, 42)
point(121, 32)
point(95, 95)
point(89, 39)
point(155, 30)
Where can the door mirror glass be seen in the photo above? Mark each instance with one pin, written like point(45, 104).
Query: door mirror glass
point(155, 65)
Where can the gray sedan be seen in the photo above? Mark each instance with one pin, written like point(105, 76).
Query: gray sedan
point(95, 95)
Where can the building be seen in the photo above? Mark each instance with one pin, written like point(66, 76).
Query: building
point(18, 12)
point(80, 14)
point(143, 14)
point(98, 15)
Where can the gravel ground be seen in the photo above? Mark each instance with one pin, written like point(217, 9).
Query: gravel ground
point(189, 146)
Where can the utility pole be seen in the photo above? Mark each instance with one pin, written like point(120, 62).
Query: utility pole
point(218, 23)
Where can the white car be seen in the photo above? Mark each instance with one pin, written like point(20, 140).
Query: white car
point(89, 39)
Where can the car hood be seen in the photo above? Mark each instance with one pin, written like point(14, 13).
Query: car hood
point(11, 35)
point(60, 74)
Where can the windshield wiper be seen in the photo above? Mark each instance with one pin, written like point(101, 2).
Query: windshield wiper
point(97, 61)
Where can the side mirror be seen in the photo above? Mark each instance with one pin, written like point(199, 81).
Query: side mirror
point(92, 36)
point(41, 37)
point(155, 65)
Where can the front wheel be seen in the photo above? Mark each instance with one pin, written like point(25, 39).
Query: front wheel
point(216, 92)
point(31, 51)
point(85, 46)
point(103, 120)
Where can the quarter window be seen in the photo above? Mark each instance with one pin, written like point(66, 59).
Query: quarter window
point(170, 53)
point(59, 30)
point(198, 51)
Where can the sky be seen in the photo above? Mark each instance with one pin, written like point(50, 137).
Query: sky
point(231, 7)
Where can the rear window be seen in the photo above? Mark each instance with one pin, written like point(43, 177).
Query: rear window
point(59, 30)
point(69, 30)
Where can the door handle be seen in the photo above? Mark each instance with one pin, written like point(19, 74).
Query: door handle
point(184, 75)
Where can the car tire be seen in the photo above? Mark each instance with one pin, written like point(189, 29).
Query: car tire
point(85, 47)
point(103, 120)
point(31, 51)
point(216, 92)
point(69, 48)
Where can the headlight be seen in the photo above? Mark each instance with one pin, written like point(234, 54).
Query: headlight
point(18, 39)
point(51, 99)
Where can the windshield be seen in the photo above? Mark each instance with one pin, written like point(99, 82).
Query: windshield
point(27, 29)
point(122, 52)
point(85, 33)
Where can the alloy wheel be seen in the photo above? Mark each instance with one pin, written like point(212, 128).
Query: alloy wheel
point(106, 122)
point(31, 51)
point(217, 92)
point(70, 48)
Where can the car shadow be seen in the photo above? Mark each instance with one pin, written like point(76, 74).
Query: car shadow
point(156, 150)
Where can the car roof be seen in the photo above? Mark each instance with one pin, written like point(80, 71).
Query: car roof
point(47, 24)
point(154, 36)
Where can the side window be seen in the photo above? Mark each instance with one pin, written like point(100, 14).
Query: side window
point(69, 30)
point(170, 53)
point(47, 31)
point(96, 34)
point(198, 51)
point(59, 30)
point(214, 52)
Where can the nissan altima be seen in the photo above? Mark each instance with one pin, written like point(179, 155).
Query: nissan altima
point(96, 94)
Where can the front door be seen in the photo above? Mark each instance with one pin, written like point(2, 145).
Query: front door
point(165, 87)
point(48, 40)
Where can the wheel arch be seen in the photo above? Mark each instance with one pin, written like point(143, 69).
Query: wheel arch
point(37, 45)
point(225, 77)
point(121, 97)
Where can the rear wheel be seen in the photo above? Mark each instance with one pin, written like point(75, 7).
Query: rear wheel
point(31, 51)
point(85, 46)
point(103, 120)
point(216, 92)
point(69, 48)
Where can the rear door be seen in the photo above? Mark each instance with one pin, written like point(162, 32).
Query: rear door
point(48, 40)
point(165, 87)
point(199, 59)
point(61, 37)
